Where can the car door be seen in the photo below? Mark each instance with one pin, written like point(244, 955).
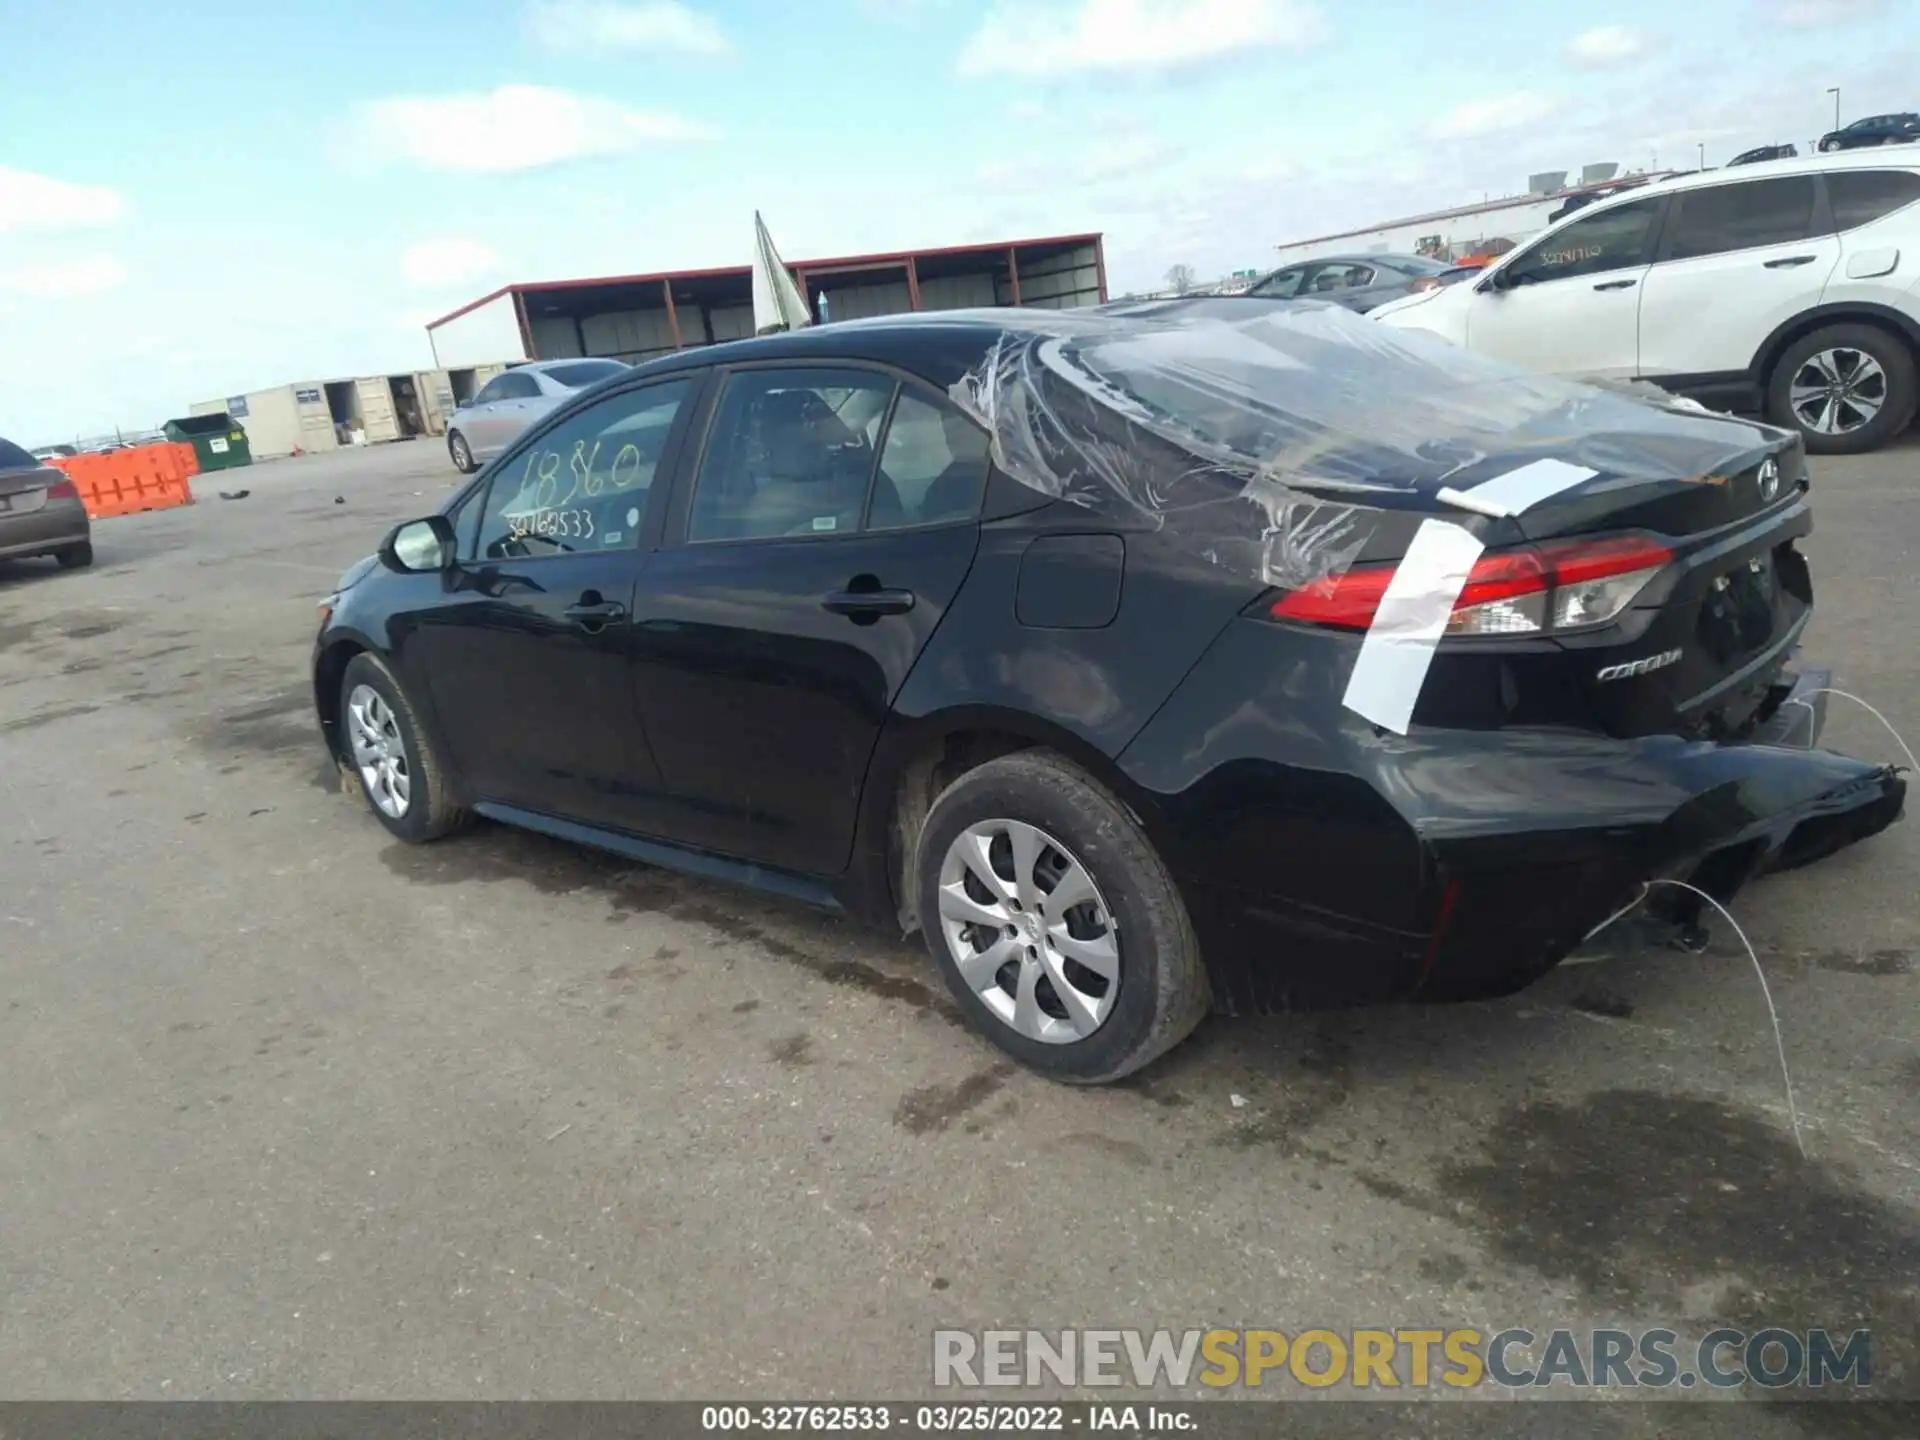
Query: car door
point(525, 651)
point(1569, 303)
point(827, 527)
point(1735, 262)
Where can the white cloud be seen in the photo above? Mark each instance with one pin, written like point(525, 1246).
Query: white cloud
point(64, 279)
point(1805, 14)
point(451, 260)
point(512, 127)
point(1030, 38)
point(577, 26)
point(1605, 45)
point(40, 202)
point(1489, 117)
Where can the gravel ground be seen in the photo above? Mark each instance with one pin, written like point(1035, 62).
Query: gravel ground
point(289, 1110)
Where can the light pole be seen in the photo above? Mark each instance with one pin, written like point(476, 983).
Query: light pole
point(1834, 90)
point(1703, 154)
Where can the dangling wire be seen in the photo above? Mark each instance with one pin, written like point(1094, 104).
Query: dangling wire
point(1779, 1044)
point(1828, 690)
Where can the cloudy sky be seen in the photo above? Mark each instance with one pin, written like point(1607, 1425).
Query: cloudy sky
point(240, 194)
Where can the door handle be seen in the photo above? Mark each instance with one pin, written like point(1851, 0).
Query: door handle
point(1790, 262)
point(594, 616)
point(1616, 285)
point(868, 605)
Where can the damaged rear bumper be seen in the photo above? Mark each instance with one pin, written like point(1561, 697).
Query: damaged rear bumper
point(1717, 816)
point(1452, 864)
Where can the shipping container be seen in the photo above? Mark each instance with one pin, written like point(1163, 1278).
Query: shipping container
point(283, 420)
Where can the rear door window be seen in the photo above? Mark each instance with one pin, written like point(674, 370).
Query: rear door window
point(790, 452)
point(1281, 285)
point(515, 385)
point(1859, 197)
point(1723, 218)
point(933, 468)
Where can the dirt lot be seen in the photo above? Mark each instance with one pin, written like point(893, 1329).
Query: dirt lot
point(287, 1109)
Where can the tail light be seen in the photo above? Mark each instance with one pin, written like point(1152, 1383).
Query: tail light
point(62, 490)
point(1570, 585)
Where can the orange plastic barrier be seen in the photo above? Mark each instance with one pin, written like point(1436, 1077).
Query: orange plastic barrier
point(150, 477)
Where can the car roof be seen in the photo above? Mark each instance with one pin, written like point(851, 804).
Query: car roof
point(1875, 159)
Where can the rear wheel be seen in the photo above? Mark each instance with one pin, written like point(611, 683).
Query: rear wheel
point(75, 557)
point(400, 770)
point(1846, 388)
point(461, 452)
point(1055, 922)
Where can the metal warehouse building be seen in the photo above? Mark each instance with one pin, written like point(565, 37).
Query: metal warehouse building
point(635, 317)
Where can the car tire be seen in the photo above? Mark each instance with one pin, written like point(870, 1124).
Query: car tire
point(461, 452)
point(1899, 393)
point(374, 703)
point(75, 557)
point(1132, 916)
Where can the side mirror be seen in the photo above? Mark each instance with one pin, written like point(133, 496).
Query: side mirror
point(420, 547)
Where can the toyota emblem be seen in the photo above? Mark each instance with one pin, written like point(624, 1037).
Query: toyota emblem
point(1769, 480)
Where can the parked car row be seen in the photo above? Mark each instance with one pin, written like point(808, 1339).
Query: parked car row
point(1792, 288)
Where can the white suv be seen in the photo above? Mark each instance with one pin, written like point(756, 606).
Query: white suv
point(1792, 285)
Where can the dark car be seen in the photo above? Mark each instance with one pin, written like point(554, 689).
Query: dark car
point(41, 512)
point(1170, 655)
point(1901, 129)
point(1357, 282)
point(1764, 152)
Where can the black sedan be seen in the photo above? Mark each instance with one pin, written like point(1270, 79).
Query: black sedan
point(1144, 660)
point(1355, 282)
point(1903, 129)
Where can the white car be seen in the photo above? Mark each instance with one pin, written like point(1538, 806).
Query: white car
point(1791, 286)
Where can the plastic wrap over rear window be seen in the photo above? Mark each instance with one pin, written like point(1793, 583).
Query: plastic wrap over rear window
point(1269, 434)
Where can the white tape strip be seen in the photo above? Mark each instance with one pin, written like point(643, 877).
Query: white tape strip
point(1518, 490)
point(1407, 627)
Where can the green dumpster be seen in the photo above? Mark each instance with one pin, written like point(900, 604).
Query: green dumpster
point(217, 440)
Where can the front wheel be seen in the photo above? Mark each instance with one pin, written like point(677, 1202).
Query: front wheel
point(399, 768)
point(1846, 388)
point(1054, 921)
point(461, 452)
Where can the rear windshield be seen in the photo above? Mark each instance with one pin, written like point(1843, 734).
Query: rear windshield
point(12, 457)
point(587, 372)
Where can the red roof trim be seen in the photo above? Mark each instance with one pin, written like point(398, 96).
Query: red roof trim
point(895, 257)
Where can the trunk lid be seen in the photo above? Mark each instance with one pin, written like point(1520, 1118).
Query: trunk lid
point(23, 491)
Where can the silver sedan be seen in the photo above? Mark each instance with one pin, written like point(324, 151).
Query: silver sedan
point(40, 512)
point(513, 400)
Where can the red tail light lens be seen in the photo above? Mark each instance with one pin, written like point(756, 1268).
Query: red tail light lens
point(62, 490)
point(1563, 586)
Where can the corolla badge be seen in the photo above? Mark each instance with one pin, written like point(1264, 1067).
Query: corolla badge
point(1769, 479)
point(1639, 667)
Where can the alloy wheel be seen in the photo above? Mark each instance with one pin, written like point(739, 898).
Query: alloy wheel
point(1837, 391)
point(379, 753)
point(1029, 930)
